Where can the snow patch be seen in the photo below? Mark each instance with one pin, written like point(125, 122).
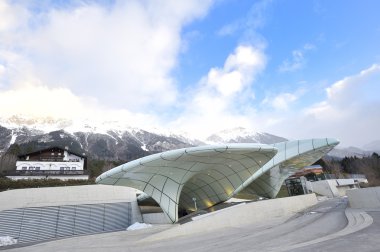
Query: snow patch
point(228, 135)
point(13, 139)
point(144, 147)
point(7, 240)
point(138, 225)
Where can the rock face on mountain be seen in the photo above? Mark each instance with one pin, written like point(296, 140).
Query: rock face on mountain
point(118, 144)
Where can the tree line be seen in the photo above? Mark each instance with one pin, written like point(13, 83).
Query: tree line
point(368, 166)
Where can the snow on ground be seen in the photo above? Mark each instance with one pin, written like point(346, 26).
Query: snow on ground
point(138, 225)
point(7, 240)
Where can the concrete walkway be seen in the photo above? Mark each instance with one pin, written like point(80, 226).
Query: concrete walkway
point(325, 227)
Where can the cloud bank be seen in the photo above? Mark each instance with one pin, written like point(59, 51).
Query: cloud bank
point(121, 55)
point(117, 62)
point(349, 111)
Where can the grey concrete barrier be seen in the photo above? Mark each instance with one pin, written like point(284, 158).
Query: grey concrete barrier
point(364, 198)
point(240, 215)
point(66, 195)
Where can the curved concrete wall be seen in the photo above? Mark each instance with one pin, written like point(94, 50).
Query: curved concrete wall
point(240, 215)
point(364, 198)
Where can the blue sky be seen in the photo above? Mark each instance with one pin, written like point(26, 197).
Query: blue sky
point(298, 69)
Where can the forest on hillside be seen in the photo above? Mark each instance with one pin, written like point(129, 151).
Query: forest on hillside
point(368, 166)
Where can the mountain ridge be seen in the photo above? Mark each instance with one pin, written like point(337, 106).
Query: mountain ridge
point(117, 144)
point(114, 140)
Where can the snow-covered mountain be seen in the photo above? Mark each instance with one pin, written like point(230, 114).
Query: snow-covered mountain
point(372, 146)
point(338, 152)
point(113, 140)
point(110, 140)
point(242, 135)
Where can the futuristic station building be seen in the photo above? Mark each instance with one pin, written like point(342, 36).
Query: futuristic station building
point(200, 177)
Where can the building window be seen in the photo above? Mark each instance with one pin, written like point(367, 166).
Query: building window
point(37, 168)
point(73, 168)
point(24, 168)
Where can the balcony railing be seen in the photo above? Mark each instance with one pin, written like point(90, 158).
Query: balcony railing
point(45, 173)
point(50, 159)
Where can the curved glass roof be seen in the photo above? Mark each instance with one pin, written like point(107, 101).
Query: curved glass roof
point(200, 177)
point(291, 156)
point(191, 177)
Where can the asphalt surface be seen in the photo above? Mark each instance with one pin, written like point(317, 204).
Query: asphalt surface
point(367, 239)
point(322, 220)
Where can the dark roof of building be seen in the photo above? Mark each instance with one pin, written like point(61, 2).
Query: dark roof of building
point(52, 147)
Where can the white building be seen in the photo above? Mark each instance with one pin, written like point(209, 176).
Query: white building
point(53, 162)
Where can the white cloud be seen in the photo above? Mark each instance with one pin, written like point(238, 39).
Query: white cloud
point(238, 71)
point(2, 70)
point(214, 105)
point(121, 55)
point(37, 100)
point(352, 92)
point(249, 25)
point(350, 112)
point(230, 29)
point(34, 100)
point(297, 61)
point(12, 16)
point(281, 101)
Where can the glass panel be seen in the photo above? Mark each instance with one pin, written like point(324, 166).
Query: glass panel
point(164, 202)
point(280, 156)
point(318, 143)
point(156, 195)
point(236, 181)
point(158, 182)
point(244, 174)
point(291, 149)
point(305, 146)
point(149, 190)
point(171, 189)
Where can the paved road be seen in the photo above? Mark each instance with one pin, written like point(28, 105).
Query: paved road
point(324, 219)
point(367, 239)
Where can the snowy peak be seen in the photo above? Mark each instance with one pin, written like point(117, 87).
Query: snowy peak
point(45, 124)
point(111, 140)
point(243, 135)
point(372, 146)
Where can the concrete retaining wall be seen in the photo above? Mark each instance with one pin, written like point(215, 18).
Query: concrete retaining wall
point(324, 187)
point(332, 187)
point(240, 215)
point(69, 195)
point(364, 198)
point(156, 218)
